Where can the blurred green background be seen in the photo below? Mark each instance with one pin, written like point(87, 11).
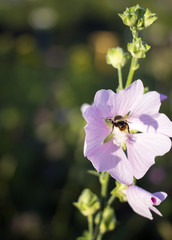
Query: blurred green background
point(52, 60)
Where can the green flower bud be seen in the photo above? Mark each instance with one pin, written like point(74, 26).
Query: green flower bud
point(137, 18)
point(149, 18)
point(119, 191)
point(129, 17)
point(116, 57)
point(88, 203)
point(108, 220)
point(138, 48)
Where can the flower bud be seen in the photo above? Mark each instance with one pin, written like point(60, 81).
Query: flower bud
point(116, 57)
point(138, 48)
point(138, 18)
point(120, 191)
point(129, 17)
point(88, 203)
point(149, 18)
point(108, 220)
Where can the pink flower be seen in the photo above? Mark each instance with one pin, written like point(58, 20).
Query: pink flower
point(104, 142)
point(142, 201)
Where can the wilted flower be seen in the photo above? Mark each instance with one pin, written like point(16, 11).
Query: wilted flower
point(142, 201)
point(127, 120)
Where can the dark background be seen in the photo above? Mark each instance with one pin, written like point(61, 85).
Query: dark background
point(52, 60)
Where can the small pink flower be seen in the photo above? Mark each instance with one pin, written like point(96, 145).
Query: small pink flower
point(142, 201)
point(140, 112)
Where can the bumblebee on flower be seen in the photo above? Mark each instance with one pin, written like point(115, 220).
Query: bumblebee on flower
point(125, 132)
point(127, 111)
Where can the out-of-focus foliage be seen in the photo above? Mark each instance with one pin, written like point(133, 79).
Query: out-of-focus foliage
point(52, 60)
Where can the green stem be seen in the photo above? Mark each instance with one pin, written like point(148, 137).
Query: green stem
point(120, 87)
point(90, 226)
point(104, 180)
point(100, 236)
point(131, 72)
point(111, 199)
point(104, 185)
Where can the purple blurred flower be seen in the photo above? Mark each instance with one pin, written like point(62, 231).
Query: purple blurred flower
point(104, 144)
point(142, 201)
point(163, 97)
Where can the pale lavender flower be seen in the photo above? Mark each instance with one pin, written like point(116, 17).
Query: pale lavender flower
point(142, 201)
point(141, 113)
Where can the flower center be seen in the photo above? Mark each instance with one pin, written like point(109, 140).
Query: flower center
point(119, 137)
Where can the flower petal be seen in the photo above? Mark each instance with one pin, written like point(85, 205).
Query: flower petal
point(127, 100)
point(103, 100)
point(158, 123)
point(155, 210)
point(143, 148)
point(105, 156)
point(164, 124)
point(136, 198)
point(161, 195)
point(122, 171)
point(149, 104)
point(96, 129)
point(84, 107)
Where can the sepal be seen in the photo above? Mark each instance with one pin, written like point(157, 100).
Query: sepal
point(119, 191)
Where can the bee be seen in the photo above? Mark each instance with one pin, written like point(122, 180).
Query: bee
point(120, 122)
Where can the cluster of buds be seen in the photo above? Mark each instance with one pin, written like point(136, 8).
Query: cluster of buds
point(137, 19)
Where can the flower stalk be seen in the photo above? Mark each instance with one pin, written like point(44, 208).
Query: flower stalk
point(105, 148)
point(120, 86)
point(133, 68)
point(90, 226)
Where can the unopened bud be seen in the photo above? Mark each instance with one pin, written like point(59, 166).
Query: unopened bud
point(129, 17)
point(108, 220)
point(138, 48)
point(149, 18)
point(88, 203)
point(138, 18)
point(116, 57)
